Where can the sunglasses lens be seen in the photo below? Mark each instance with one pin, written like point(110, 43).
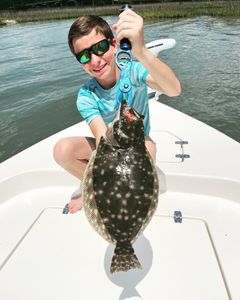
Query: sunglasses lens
point(101, 47)
point(84, 57)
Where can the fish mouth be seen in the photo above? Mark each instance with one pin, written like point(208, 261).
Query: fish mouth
point(128, 113)
point(131, 114)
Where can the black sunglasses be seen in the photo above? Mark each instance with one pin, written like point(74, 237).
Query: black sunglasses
point(98, 49)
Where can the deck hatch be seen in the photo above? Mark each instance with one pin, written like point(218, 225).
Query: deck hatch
point(61, 257)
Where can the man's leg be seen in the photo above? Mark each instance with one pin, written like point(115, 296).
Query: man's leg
point(73, 154)
point(151, 146)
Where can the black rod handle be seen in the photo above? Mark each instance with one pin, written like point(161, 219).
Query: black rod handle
point(125, 44)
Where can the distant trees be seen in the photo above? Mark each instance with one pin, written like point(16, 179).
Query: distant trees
point(25, 4)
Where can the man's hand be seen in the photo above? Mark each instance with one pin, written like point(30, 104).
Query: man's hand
point(130, 25)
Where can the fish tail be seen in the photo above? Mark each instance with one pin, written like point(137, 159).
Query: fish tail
point(124, 258)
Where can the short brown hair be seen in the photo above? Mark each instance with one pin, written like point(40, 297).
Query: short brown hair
point(84, 25)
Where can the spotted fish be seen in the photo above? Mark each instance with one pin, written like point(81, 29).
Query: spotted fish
point(120, 187)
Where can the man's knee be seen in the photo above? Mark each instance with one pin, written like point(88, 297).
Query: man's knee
point(152, 148)
point(63, 151)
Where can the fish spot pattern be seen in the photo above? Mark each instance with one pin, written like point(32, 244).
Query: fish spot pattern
point(120, 190)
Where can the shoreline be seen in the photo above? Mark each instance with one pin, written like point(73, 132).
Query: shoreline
point(149, 12)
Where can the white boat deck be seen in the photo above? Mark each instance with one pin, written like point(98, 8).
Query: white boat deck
point(47, 255)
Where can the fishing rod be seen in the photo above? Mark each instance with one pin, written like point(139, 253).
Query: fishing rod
point(123, 60)
point(124, 55)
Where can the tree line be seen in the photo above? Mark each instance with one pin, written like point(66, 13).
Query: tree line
point(28, 4)
point(25, 4)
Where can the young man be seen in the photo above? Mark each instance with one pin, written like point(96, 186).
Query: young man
point(92, 42)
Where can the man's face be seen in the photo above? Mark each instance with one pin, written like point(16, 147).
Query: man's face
point(101, 67)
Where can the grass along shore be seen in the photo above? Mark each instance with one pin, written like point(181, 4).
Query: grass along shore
point(149, 12)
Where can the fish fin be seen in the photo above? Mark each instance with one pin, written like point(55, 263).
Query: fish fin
point(124, 259)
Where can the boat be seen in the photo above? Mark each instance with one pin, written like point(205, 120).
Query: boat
point(8, 22)
point(189, 251)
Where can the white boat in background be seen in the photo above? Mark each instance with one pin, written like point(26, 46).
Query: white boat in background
point(189, 251)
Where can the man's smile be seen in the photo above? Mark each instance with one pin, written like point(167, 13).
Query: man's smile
point(99, 69)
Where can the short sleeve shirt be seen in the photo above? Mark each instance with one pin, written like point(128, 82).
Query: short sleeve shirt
point(94, 101)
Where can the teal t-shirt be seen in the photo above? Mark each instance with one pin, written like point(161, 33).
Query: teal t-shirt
point(95, 101)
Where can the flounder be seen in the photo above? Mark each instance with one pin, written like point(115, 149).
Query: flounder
point(120, 187)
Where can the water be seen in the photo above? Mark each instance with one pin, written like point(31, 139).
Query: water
point(39, 77)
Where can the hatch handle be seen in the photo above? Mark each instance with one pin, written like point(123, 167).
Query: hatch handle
point(182, 156)
point(181, 142)
point(177, 216)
